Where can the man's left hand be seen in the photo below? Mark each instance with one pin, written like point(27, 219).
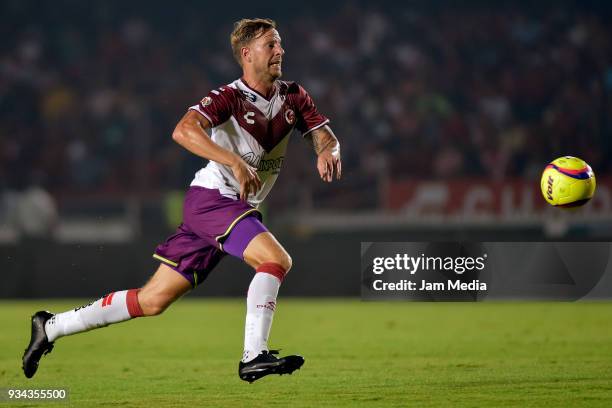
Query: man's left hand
point(329, 163)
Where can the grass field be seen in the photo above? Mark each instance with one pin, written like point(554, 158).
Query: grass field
point(357, 354)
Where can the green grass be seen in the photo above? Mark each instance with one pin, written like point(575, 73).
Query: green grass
point(357, 354)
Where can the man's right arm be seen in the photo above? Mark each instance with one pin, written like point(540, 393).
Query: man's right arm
point(190, 133)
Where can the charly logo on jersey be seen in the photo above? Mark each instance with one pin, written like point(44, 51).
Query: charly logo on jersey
point(290, 116)
point(248, 117)
point(250, 96)
point(206, 101)
point(264, 165)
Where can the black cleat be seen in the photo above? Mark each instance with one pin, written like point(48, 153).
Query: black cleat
point(265, 363)
point(39, 344)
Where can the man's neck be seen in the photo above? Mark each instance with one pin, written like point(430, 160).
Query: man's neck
point(263, 87)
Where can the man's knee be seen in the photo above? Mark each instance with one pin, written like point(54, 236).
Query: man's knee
point(283, 260)
point(164, 287)
point(153, 304)
point(264, 248)
point(286, 262)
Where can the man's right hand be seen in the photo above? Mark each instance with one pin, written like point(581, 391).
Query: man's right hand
point(247, 177)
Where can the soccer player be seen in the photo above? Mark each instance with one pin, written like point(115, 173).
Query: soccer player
point(251, 120)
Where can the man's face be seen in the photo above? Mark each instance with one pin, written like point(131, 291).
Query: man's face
point(265, 54)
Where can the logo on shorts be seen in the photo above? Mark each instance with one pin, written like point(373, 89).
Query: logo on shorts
point(206, 101)
point(290, 116)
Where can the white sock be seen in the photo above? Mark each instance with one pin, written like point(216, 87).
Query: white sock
point(113, 308)
point(261, 302)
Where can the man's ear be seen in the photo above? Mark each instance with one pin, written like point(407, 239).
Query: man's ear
point(245, 52)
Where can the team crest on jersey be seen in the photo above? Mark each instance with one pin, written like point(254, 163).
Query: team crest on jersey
point(251, 97)
point(290, 116)
point(206, 101)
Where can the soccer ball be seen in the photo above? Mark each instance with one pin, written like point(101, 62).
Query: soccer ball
point(567, 182)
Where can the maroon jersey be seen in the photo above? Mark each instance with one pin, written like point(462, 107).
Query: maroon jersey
point(257, 129)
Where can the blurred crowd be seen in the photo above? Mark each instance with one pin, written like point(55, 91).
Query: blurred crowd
point(90, 94)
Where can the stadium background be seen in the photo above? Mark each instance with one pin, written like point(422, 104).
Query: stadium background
point(447, 115)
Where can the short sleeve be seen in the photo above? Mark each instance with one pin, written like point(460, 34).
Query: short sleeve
point(309, 117)
point(216, 106)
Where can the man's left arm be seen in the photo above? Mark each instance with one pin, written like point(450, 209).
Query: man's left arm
point(327, 148)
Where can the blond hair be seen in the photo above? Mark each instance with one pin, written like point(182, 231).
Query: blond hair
point(247, 30)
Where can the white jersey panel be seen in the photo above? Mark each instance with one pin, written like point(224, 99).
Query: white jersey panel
point(221, 177)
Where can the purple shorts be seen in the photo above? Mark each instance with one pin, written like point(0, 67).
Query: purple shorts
point(213, 225)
